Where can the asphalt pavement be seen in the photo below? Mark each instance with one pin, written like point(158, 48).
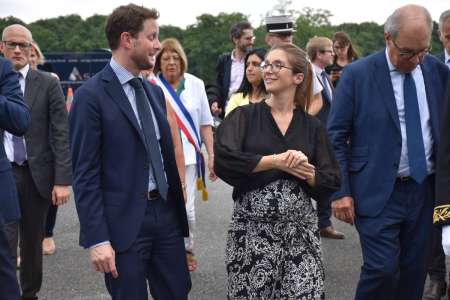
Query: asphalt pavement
point(69, 275)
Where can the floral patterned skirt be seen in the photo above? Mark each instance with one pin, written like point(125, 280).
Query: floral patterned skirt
point(273, 245)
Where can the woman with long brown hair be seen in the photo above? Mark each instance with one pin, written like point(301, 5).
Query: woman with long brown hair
point(345, 54)
point(276, 157)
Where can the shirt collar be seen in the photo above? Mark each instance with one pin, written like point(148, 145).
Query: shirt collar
point(446, 56)
point(24, 71)
point(234, 59)
point(392, 68)
point(122, 74)
point(318, 69)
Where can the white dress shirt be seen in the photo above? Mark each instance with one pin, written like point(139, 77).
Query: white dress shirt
point(397, 79)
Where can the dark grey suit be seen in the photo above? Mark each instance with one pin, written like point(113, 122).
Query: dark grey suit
point(48, 164)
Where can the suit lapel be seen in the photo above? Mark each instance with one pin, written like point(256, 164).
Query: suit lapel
point(158, 110)
point(31, 87)
point(114, 89)
point(432, 100)
point(382, 77)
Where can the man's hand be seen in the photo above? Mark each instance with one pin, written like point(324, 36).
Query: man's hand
point(60, 194)
point(446, 239)
point(103, 258)
point(344, 210)
point(212, 174)
point(215, 109)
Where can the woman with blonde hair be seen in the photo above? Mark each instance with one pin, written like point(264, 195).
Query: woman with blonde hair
point(277, 157)
point(187, 96)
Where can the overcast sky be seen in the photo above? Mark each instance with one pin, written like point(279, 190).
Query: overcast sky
point(183, 12)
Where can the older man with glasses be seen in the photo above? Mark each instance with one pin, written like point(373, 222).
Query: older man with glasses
point(384, 127)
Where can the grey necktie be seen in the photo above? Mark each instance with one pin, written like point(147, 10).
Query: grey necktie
point(151, 140)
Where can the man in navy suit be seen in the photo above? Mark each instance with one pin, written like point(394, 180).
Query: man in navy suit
point(127, 188)
point(384, 128)
point(436, 269)
point(14, 118)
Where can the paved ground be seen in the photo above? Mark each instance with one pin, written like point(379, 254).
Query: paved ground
point(68, 274)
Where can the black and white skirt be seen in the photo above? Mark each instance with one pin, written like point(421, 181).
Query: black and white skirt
point(273, 245)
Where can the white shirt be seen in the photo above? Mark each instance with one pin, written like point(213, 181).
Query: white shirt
point(7, 137)
point(194, 99)
point(236, 74)
point(318, 71)
point(397, 79)
point(447, 58)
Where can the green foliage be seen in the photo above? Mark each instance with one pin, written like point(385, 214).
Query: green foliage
point(205, 40)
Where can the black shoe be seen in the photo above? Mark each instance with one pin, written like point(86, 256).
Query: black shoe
point(331, 233)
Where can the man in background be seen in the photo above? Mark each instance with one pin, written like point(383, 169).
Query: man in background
point(230, 67)
point(40, 159)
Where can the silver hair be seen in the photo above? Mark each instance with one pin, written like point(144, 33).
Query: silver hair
point(445, 17)
point(17, 26)
point(394, 21)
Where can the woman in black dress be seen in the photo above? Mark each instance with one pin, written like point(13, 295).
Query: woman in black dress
point(276, 157)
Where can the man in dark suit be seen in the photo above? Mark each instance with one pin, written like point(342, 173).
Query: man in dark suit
point(436, 270)
point(40, 160)
point(14, 118)
point(384, 125)
point(320, 51)
point(230, 67)
point(127, 189)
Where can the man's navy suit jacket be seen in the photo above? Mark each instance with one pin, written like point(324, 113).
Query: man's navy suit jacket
point(111, 164)
point(364, 128)
point(14, 118)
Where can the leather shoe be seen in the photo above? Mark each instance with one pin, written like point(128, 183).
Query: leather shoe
point(435, 290)
point(330, 233)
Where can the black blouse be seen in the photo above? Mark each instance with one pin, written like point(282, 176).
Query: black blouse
point(250, 132)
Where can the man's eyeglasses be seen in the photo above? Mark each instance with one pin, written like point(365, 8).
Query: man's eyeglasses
point(13, 45)
point(274, 67)
point(327, 51)
point(409, 54)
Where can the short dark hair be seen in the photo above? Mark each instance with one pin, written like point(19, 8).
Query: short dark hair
point(127, 18)
point(237, 29)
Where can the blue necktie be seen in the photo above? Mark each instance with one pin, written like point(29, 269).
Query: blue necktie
point(19, 143)
point(325, 85)
point(151, 140)
point(416, 149)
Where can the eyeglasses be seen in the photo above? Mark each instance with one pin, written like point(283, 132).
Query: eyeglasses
point(409, 54)
point(13, 45)
point(327, 51)
point(274, 67)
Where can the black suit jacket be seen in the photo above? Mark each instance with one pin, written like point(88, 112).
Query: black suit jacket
point(442, 207)
point(223, 73)
point(47, 139)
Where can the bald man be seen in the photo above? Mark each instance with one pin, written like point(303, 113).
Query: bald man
point(384, 127)
point(40, 159)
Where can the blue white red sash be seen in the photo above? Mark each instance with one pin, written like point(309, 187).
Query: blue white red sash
point(187, 126)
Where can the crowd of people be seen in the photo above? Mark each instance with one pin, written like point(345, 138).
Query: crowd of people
point(304, 134)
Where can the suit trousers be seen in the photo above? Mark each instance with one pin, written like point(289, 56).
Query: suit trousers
point(324, 213)
point(394, 244)
point(29, 232)
point(9, 287)
point(157, 257)
point(436, 264)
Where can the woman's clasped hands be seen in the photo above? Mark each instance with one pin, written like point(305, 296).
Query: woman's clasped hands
point(295, 163)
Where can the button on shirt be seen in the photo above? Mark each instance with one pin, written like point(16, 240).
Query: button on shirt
point(8, 137)
point(397, 79)
point(236, 74)
point(124, 77)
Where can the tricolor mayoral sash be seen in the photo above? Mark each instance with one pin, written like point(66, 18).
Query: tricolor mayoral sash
point(187, 127)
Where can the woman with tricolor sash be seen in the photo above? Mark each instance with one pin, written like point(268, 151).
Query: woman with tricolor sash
point(186, 94)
